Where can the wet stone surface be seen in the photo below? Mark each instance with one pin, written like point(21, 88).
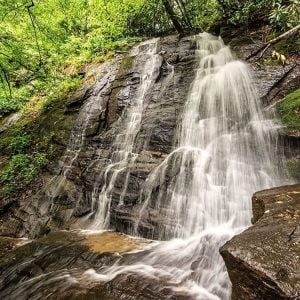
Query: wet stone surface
point(264, 261)
point(63, 202)
point(59, 267)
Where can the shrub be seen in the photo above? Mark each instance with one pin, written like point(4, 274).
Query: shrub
point(21, 170)
point(19, 143)
point(284, 16)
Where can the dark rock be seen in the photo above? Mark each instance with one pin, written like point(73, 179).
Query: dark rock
point(264, 261)
point(59, 265)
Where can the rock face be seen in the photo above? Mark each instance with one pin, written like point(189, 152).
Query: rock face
point(66, 199)
point(264, 261)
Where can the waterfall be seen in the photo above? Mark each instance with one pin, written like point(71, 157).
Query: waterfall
point(225, 151)
point(123, 147)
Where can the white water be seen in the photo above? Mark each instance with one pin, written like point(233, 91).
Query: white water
point(225, 152)
point(123, 153)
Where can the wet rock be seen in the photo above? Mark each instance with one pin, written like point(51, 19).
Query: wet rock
point(76, 100)
point(62, 262)
point(102, 120)
point(264, 261)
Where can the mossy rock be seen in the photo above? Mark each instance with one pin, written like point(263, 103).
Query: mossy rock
point(288, 46)
point(289, 111)
point(49, 131)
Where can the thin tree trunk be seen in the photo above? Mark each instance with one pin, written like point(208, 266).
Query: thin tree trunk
point(34, 30)
point(172, 15)
point(184, 13)
point(6, 79)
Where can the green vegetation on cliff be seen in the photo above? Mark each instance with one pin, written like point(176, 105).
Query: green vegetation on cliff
point(289, 110)
point(45, 43)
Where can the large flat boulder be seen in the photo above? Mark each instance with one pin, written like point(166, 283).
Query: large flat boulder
point(264, 261)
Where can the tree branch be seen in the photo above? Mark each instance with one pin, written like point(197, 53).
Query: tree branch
point(6, 79)
point(272, 42)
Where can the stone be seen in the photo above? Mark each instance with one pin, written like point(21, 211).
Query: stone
point(263, 262)
point(99, 109)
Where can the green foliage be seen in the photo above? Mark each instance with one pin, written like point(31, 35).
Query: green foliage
point(285, 14)
point(289, 110)
point(281, 14)
point(16, 101)
point(56, 93)
point(40, 38)
point(19, 143)
point(21, 170)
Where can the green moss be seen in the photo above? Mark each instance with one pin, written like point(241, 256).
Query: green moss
point(289, 110)
point(57, 93)
point(288, 46)
point(32, 141)
point(285, 46)
point(271, 62)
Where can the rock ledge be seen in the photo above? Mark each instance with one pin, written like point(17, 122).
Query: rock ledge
point(264, 261)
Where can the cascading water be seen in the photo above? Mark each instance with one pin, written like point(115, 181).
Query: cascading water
point(225, 149)
point(123, 147)
point(225, 153)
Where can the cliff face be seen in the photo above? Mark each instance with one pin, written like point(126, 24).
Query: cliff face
point(65, 197)
point(264, 261)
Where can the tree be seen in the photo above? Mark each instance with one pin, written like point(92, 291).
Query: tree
point(173, 17)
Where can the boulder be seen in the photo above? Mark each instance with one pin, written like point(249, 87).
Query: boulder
point(264, 261)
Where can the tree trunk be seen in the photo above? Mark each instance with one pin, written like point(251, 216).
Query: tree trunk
point(172, 15)
point(184, 13)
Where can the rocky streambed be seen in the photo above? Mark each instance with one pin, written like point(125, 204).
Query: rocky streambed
point(64, 265)
point(263, 261)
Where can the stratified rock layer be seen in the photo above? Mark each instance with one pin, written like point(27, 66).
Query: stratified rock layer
point(264, 261)
point(66, 201)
